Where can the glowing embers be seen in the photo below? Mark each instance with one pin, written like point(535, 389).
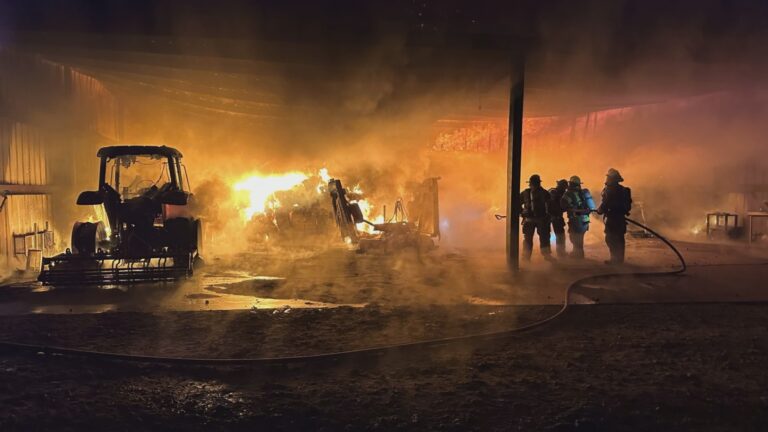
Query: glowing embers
point(351, 216)
point(366, 208)
point(467, 135)
point(261, 190)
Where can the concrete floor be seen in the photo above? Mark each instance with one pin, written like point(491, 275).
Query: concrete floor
point(338, 276)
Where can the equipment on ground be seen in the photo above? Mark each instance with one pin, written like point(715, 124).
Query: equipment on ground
point(403, 229)
point(146, 231)
point(346, 214)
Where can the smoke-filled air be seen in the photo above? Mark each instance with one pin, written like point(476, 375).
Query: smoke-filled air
point(400, 215)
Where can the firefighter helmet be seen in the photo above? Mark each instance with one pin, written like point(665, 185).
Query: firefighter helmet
point(613, 174)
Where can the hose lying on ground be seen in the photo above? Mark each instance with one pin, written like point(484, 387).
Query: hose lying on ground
point(339, 355)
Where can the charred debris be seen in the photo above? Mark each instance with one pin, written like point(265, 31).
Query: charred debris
point(148, 227)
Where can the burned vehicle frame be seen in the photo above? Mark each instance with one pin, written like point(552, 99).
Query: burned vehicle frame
point(147, 231)
point(401, 230)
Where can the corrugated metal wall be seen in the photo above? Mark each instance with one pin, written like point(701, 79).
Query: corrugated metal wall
point(49, 112)
point(26, 219)
point(95, 102)
point(22, 156)
point(31, 84)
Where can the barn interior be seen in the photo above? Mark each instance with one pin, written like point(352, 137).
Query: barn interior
point(407, 104)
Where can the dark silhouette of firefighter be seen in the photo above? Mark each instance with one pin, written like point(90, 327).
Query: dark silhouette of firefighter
point(615, 207)
point(534, 202)
point(579, 204)
point(556, 211)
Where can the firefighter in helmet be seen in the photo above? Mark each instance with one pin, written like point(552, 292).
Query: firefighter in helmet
point(556, 215)
point(615, 206)
point(534, 202)
point(579, 204)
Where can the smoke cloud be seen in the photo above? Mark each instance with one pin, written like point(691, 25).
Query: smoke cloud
point(673, 96)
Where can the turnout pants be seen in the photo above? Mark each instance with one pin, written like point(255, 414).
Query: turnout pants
point(558, 227)
point(576, 231)
point(540, 227)
point(577, 240)
point(616, 245)
point(615, 228)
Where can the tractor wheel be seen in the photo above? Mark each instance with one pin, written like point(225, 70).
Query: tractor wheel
point(84, 237)
point(184, 235)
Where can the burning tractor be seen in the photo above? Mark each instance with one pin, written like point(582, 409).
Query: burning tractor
point(147, 231)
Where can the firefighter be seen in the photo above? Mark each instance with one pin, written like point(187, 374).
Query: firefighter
point(556, 215)
point(579, 204)
point(615, 206)
point(534, 201)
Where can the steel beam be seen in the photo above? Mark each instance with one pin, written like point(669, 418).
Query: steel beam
point(514, 154)
point(17, 189)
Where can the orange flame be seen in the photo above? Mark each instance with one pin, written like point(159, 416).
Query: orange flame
point(261, 190)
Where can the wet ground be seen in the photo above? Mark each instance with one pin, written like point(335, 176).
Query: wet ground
point(338, 276)
point(672, 360)
point(691, 367)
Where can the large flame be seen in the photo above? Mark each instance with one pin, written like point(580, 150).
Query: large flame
point(261, 190)
point(261, 193)
point(367, 209)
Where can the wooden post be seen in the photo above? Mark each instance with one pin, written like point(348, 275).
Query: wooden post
point(514, 154)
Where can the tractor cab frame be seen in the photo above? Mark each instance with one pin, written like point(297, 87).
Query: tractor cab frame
point(146, 232)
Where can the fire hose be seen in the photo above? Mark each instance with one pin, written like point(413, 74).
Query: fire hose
point(349, 354)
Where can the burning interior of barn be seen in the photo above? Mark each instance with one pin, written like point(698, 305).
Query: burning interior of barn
point(342, 185)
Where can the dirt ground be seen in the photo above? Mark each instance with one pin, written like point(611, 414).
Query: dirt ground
point(607, 367)
point(670, 353)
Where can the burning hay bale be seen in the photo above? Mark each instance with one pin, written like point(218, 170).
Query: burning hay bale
point(294, 209)
point(286, 208)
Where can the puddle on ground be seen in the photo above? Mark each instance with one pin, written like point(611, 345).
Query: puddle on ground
point(228, 278)
point(208, 292)
point(225, 299)
point(578, 299)
point(41, 288)
point(201, 296)
point(79, 309)
point(240, 302)
point(481, 301)
point(609, 286)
